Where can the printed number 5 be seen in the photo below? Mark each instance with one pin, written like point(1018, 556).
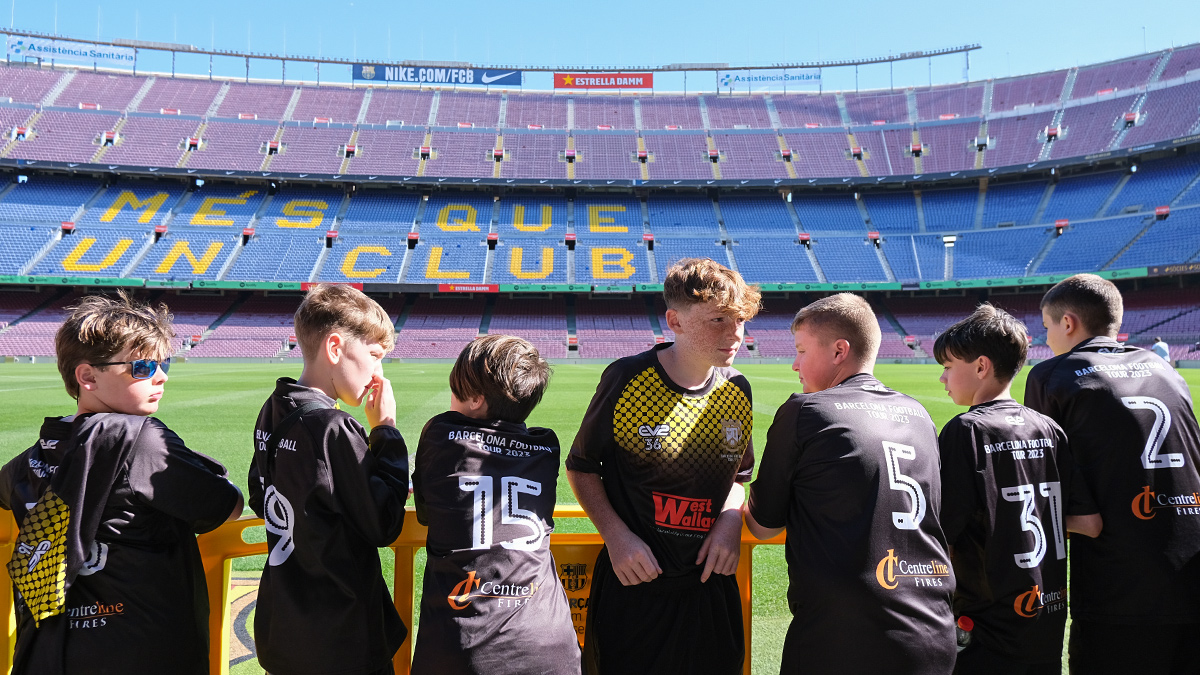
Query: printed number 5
point(510, 514)
point(904, 520)
point(1158, 433)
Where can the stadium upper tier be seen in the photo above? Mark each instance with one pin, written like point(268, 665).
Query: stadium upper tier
point(175, 230)
point(85, 117)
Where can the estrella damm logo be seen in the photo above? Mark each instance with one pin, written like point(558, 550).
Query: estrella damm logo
point(1146, 502)
point(506, 595)
point(892, 568)
point(682, 513)
point(1030, 603)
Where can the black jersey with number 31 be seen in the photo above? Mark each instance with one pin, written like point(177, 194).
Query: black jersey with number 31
point(1006, 482)
point(852, 472)
point(492, 602)
point(1133, 434)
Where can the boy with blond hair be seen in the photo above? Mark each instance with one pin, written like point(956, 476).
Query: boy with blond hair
point(485, 484)
point(331, 493)
point(658, 465)
point(1135, 589)
point(106, 569)
point(851, 472)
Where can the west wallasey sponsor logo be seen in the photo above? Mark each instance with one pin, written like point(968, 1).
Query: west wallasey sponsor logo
point(1032, 602)
point(682, 513)
point(892, 570)
point(505, 595)
point(1147, 502)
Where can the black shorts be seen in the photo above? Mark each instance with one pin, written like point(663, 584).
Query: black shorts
point(977, 659)
point(667, 626)
point(1099, 648)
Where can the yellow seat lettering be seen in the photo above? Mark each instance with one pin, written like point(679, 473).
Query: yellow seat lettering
point(597, 222)
point(71, 262)
point(433, 270)
point(312, 209)
point(517, 270)
point(602, 262)
point(464, 224)
point(519, 219)
point(350, 262)
point(127, 198)
point(208, 209)
point(182, 249)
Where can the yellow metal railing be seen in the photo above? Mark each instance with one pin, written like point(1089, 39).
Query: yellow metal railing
point(575, 554)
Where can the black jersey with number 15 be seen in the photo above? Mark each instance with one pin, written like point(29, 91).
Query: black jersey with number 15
point(852, 472)
point(1128, 416)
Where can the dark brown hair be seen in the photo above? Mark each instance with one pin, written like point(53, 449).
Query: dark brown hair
point(990, 332)
point(100, 327)
point(843, 316)
point(1096, 302)
point(329, 308)
point(506, 371)
point(693, 281)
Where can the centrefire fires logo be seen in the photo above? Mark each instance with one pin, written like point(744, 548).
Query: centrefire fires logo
point(505, 595)
point(1030, 603)
point(891, 569)
point(1148, 501)
point(682, 513)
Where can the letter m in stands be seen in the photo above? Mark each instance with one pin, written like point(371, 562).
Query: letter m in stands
point(127, 198)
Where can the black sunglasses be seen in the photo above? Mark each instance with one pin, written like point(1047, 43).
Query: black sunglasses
point(143, 369)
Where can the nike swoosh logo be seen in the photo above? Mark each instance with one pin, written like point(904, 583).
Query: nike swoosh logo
point(488, 80)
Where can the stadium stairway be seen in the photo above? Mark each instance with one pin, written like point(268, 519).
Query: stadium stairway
point(188, 151)
point(1141, 233)
point(12, 143)
point(1112, 196)
point(103, 149)
point(783, 149)
point(57, 90)
point(267, 157)
point(218, 100)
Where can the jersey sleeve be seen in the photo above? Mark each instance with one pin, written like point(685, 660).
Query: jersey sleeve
point(771, 492)
point(960, 496)
point(178, 481)
point(594, 439)
point(369, 476)
point(746, 469)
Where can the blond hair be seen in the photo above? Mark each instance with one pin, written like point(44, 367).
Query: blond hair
point(844, 316)
point(99, 327)
point(692, 281)
point(329, 308)
point(506, 371)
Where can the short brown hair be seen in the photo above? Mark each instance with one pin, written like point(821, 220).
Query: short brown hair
point(332, 308)
point(990, 332)
point(100, 327)
point(692, 281)
point(506, 371)
point(1096, 302)
point(843, 316)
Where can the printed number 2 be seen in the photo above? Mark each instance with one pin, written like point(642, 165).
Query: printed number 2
point(893, 453)
point(510, 514)
point(1158, 433)
point(1031, 523)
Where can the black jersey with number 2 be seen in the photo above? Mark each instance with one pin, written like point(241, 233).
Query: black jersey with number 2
point(1006, 486)
point(852, 473)
point(492, 602)
point(1133, 434)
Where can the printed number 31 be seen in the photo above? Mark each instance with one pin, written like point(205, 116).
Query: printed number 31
point(510, 513)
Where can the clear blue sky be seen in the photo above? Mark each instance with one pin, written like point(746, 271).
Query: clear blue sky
point(1018, 36)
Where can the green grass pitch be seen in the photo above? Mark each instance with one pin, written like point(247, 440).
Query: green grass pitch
point(213, 407)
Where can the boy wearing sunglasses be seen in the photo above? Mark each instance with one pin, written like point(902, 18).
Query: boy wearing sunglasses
point(109, 501)
point(332, 492)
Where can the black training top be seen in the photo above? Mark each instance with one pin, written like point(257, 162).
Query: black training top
point(852, 473)
point(1006, 486)
point(1128, 416)
point(668, 455)
point(331, 497)
point(108, 507)
point(492, 601)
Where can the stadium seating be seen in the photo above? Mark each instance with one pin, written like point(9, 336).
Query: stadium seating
point(1014, 203)
point(915, 258)
point(603, 215)
point(892, 211)
point(660, 112)
point(610, 328)
point(611, 260)
point(301, 209)
point(848, 259)
point(462, 154)
point(439, 259)
point(938, 103)
point(407, 106)
point(277, 256)
point(1171, 241)
point(380, 211)
point(875, 107)
point(217, 205)
point(949, 210)
point(542, 322)
point(480, 110)
point(46, 200)
point(337, 104)
point(21, 244)
point(438, 328)
point(1155, 184)
point(828, 212)
point(1079, 197)
point(544, 110)
point(682, 216)
point(750, 156)
point(667, 251)
point(532, 216)
point(533, 155)
point(606, 155)
point(529, 260)
point(1090, 245)
point(133, 204)
point(763, 259)
point(998, 253)
point(187, 256)
point(744, 215)
point(92, 252)
point(358, 258)
point(604, 110)
point(679, 155)
point(737, 111)
point(188, 96)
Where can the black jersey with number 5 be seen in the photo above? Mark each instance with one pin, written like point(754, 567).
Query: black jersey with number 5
point(852, 473)
point(1006, 487)
point(1128, 416)
point(492, 602)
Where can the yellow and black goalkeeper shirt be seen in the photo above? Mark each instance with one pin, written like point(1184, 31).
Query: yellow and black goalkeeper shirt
point(668, 455)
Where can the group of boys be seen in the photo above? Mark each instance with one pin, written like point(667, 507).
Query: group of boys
point(906, 550)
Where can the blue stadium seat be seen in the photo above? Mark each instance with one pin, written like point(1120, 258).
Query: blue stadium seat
point(1080, 197)
point(372, 258)
point(892, 211)
point(950, 210)
point(607, 215)
point(670, 250)
point(1170, 241)
point(20, 245)
point(92, 252)
point(682, 216)
point(468, 215)
point(1005, 252)
point(915, 258)
point(48, 200)
point(220, 206)
point(278, 257)
point(1087, 246)
point(187, 256)
point(379, 211)
point(1155, 184)
point(828, 213)
point(529, 260)
point(773, 260)
point(302, 209)
point(533, 216)
point(133, 205)
point(448, 260)
point(765, 214)
point(848, 259)
point(1014, 203)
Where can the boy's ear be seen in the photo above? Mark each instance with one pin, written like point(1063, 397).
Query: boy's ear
point(983, 367)
point(673, 322)
point(85, 375)
point(335, 345)
point(841, 351)
point(1070, 323)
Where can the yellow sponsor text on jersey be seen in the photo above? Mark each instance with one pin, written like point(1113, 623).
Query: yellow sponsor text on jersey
point(127, 198)
point(350, 262)
point(519, 219)
point(433, 270)
point(466, 223)
point(71, 262)
point(597, 222)
point(182, 249)
point(612, 263)
point(517, 268)
point(311, 210)
point(205, 215)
